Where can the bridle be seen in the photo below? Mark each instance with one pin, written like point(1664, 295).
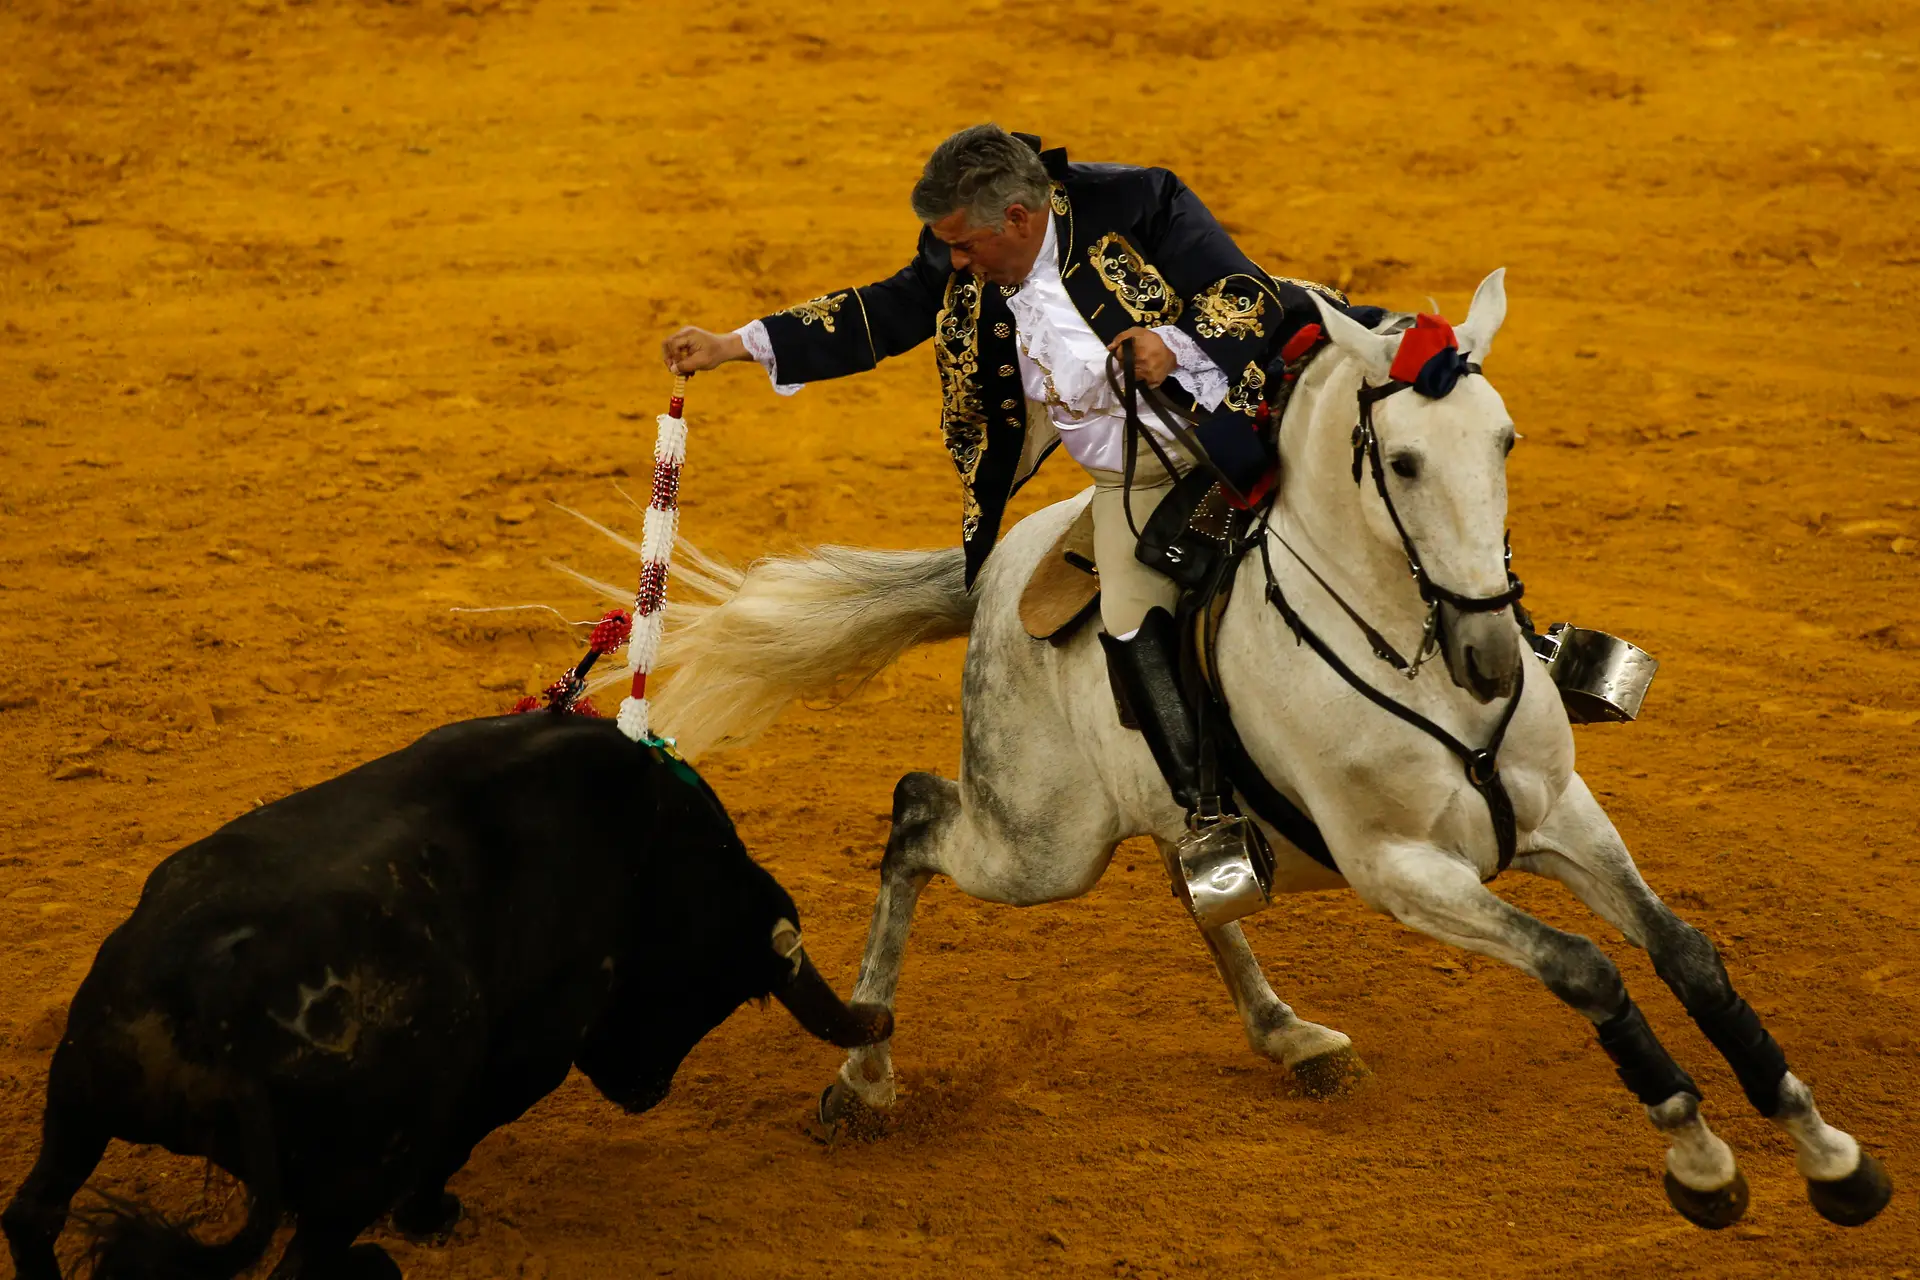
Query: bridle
point(1482, 765)
point(1366, 452)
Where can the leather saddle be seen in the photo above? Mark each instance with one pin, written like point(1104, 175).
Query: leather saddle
point(1064, 590)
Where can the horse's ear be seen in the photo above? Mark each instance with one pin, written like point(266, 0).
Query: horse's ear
point(1374, 351)
point(1484, 317)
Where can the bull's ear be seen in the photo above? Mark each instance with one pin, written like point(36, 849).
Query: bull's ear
point(1374, 351)
point(787, 943)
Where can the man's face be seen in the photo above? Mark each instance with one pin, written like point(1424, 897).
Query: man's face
point(1004, 256)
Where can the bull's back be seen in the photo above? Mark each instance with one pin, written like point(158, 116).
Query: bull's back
point(361, 928)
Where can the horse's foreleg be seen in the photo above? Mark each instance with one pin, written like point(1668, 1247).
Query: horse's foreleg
point(923, 806)
point(1579, 846)
point(1322, 1060)
point(1430, 890)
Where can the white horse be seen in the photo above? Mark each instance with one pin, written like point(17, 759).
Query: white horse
point(1050, 782)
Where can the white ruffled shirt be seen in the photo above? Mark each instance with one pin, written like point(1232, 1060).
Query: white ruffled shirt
point(1063, 365)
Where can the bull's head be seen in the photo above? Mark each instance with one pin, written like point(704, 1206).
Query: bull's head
point(743, 945)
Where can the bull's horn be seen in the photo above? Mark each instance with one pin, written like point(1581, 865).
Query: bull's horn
point(787, 943)
point(817, 1007)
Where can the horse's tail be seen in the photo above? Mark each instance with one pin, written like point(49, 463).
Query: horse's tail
point(808, 626)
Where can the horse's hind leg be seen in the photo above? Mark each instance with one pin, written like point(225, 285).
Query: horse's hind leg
point(1442, 896)
point(1322, 1060)
point(997, 845)
point(923, 806)
point(71, 1145)
point(1579, 847)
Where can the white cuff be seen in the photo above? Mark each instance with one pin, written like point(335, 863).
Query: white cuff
point(753, 335)
point(1195, 368)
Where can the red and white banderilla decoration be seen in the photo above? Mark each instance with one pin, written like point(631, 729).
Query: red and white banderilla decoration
point(658, 527)
point(642, 632)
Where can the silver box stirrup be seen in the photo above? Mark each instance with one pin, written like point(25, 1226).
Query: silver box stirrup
point(1601, 677)
point(1226, 871)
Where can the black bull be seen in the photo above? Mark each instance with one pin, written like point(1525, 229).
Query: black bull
point(336, 996)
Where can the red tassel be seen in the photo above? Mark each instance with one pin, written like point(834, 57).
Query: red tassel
point(526, 704)
point(611, 632)
point(1302, 342)
point(1255, 496)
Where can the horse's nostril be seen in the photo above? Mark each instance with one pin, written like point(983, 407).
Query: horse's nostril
point(1485, 683)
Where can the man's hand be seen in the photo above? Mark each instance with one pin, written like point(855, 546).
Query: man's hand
point(1153, 363)
point(690, 350)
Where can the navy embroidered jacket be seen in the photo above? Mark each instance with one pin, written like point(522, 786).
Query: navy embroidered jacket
point(1136, 247)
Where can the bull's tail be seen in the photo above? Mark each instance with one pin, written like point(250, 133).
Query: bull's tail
point(808, 626)
point(134, 1242)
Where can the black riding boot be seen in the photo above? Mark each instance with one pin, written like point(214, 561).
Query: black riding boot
point(1146, 668)
point(1222, 868)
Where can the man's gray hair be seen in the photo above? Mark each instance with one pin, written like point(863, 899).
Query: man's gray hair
point(982, 170)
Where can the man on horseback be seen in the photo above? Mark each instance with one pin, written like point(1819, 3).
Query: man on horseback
point(1030, 271)
point(1414, 795)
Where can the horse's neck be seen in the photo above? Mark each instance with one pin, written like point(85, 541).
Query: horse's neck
point(1319, 511)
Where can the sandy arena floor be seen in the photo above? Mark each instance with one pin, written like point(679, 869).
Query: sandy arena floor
point(309, 310)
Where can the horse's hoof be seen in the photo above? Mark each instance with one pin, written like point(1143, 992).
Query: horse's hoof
point(842, 1113)
point(1329, 1075)
point(1854, 1199)
point(1713, 1210)
point(428, 1219)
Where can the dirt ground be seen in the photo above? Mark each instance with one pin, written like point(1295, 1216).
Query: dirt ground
point(309, 311)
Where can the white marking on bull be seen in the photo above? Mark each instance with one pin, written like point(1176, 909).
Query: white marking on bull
point(349, 1034)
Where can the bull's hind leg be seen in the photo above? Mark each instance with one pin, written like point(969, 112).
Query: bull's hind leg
point(1579, 847)
point(71, 1144)
point(1322, 1060)
point(322, 1248)
point(1442, 896)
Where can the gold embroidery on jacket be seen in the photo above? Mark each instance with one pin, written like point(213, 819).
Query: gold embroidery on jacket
point(1245, 396)
point(1140, 289)
point(867, 324)
point(1059, 199)
point(820, 309)
point(1325, 289)
point(1220, 312)
point(963, 415)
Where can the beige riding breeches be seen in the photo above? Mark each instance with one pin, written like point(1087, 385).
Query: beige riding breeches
point(1128, 588)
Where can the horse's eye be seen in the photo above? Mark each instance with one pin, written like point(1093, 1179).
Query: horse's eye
point(1508, 446)
point(1405, 465)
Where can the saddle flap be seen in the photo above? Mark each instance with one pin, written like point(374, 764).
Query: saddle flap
point(1065, 586)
